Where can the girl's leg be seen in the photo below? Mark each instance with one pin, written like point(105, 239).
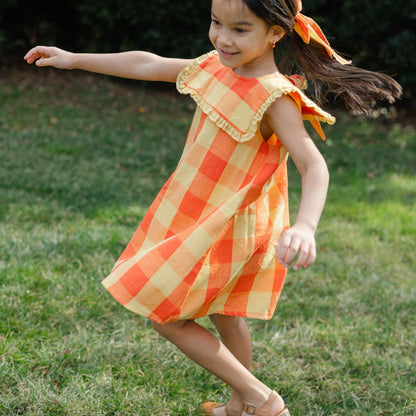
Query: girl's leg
point(235, 335)
point(210, 353)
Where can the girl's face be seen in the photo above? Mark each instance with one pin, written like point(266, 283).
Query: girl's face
point(242, 40)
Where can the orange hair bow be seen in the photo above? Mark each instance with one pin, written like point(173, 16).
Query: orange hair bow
point(307, 28)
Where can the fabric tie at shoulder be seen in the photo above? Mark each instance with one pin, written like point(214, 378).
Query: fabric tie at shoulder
point(298, 81)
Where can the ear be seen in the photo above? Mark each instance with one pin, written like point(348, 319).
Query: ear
point(277, 33)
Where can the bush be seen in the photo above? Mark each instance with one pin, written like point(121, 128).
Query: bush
point(163, 26)
point(23, 24)
point(377, 35)
point(167, 27)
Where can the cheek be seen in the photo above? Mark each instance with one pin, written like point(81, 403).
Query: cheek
point(212, 34)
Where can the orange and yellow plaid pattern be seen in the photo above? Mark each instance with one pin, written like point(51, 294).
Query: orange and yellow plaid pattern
point(207, 243)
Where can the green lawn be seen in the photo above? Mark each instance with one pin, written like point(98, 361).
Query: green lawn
point(81, 158)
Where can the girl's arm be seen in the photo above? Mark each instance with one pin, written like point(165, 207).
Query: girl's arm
point(285, 119)
point(135, 64)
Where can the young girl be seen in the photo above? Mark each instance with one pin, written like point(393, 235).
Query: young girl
point(216, 241)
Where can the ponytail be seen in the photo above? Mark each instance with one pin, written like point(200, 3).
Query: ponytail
point(358, 88)
point(327, 72)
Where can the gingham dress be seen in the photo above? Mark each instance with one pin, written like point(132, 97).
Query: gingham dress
point(207, 243)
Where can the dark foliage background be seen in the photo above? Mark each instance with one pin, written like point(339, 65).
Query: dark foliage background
point(378, 35)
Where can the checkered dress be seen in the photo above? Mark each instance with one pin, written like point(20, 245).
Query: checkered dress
point(207, 243)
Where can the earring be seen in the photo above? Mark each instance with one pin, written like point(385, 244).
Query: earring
point(273, 43)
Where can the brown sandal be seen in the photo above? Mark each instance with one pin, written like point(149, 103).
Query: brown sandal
point(265, 410)
point(208, 408)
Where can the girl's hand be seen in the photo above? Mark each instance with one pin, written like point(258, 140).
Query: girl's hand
point(49, 56)
point(300, 238)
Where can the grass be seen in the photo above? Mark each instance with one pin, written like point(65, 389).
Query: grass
point(82, 158)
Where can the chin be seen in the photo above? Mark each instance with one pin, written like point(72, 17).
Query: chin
point(229, 62)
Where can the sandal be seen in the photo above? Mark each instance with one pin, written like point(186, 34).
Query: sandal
point(265, 410)
point(214, 409)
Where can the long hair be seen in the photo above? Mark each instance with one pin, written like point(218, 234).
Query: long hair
point(360, 89)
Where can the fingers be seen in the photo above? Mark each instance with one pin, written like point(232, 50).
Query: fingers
point(287, 248)
point(36, 53)
point(43, 55)
point(306, 257)
point(50, 56)
point(300, 243)
point(44, 62)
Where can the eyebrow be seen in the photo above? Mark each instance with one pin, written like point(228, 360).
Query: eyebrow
point(238, 23)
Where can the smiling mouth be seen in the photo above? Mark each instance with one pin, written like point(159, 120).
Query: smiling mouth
point(227, 53)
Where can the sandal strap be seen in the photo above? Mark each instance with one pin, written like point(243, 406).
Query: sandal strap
point(254, 411)
point(265, 410)
point(250, 410)
point(213, 408)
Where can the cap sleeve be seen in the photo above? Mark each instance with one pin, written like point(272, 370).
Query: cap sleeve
point(309, 109)
point(237, 104)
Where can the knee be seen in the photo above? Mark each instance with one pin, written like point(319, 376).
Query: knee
point(168, 330)
point(227, 325)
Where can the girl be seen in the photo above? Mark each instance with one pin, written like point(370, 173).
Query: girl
point(216, 241)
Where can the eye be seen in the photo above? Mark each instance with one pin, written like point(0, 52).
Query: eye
point(240, 30)
point(215, 22)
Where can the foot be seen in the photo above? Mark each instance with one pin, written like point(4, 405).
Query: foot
point(274, 406)
point(217, 409)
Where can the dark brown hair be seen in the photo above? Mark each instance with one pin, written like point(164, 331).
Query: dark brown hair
point(360, 89)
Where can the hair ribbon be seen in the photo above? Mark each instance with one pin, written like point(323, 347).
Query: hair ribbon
point(308, 29)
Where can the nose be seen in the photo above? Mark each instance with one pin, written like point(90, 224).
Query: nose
point(224, 38)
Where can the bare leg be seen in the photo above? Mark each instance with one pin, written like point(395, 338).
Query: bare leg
point(210, 353)
point(235, 335)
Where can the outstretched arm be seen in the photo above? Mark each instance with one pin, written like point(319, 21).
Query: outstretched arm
point(284, 118)
point(134, 64)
